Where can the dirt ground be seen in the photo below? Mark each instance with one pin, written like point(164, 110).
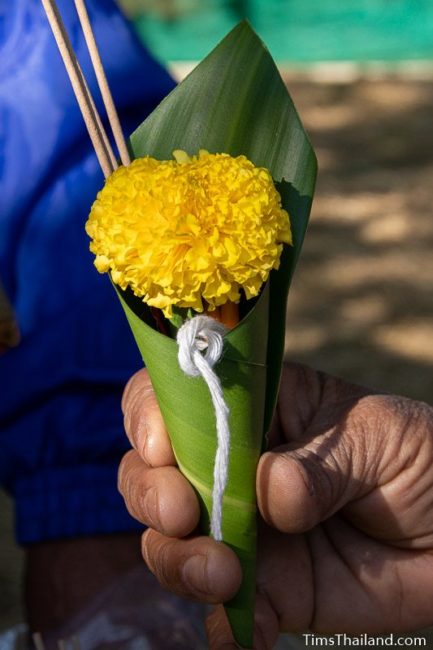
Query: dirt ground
point(361, 302)
point(361, 305)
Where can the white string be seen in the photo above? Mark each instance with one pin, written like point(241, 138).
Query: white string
point(197, 335)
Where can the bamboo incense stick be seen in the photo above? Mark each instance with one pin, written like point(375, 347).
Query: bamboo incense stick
point(99, 123)
point(102, 82)
point(82, 93)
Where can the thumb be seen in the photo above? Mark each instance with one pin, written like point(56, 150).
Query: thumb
point(301, 484)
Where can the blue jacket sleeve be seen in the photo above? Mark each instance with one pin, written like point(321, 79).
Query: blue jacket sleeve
point(61, 433)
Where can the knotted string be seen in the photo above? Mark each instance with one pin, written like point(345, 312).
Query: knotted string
point(197, 335)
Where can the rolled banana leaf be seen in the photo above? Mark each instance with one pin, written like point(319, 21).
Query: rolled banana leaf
point(234, 102)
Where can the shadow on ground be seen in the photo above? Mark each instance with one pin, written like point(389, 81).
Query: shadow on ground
point(361, 303)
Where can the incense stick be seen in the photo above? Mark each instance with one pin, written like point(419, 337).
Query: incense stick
point(107, 144)
point(93, 122)
point(102, 82)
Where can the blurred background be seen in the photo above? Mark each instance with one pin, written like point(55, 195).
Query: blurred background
point(361, 75)
point(307, 31)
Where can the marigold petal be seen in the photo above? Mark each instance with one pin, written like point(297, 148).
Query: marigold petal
point(191, 229)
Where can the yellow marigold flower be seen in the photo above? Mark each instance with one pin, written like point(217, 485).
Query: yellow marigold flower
point(184, 231)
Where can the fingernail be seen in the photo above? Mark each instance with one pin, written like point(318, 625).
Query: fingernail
point(194, 574)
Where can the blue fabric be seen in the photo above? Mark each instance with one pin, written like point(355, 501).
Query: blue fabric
point(61, 434)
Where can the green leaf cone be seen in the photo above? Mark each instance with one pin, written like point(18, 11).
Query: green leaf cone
point(233, 102)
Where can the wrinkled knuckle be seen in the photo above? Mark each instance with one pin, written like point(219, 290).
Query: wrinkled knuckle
point(306, 487)
point(148, 504)
point(286, 492)
point(141, 497)
point(135, 384)
point(162, 562)
point(154, 551)
point(130, 415)
point(371, 414)
point(305, 512)
point(138, 429)
point(325, 478)
point(211, 623)
point(124, 470)
point(385, 421)
point(137, 419)
point(142, 503)
point(218, 631)
point(147, 548)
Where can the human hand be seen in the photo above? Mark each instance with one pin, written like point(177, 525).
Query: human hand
point(346, 500)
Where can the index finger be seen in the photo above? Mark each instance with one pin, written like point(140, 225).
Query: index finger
point(143, 422)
